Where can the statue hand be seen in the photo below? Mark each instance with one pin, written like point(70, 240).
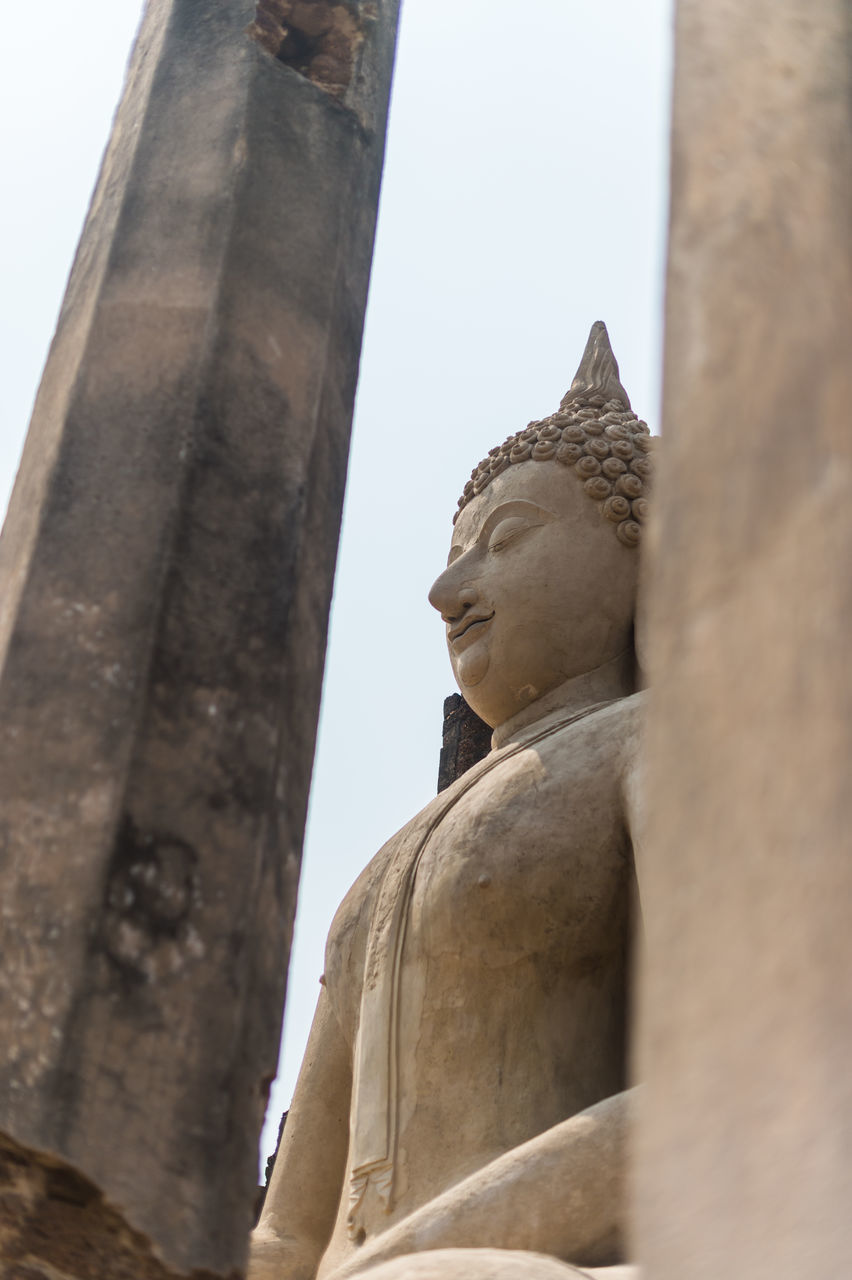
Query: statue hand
point(274, 1257)
point(561, 1193)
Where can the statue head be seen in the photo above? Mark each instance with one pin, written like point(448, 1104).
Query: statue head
point(540, 584)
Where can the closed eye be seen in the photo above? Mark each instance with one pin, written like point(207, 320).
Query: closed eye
point(508, 530)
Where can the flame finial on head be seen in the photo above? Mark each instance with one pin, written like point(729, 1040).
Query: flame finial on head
point(595, 433)
point(598, 371)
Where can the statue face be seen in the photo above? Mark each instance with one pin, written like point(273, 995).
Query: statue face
point(538, 589)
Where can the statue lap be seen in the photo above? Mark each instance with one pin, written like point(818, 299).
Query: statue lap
point(491, 1264)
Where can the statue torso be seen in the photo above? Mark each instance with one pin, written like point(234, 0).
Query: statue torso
point(513, 963)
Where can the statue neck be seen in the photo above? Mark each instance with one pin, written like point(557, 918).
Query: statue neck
point(612, 680)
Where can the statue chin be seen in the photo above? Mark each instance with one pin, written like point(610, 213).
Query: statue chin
point(471, 667)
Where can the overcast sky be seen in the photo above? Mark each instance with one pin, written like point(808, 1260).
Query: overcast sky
point(524, 197)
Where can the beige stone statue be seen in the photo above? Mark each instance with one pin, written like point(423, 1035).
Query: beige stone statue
point(461, 1110)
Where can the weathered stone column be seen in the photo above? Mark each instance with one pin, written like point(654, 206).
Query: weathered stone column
point(166, 573)
point(744, 1165)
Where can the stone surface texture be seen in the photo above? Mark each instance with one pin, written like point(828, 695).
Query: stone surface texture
point(462, 1108)
point(166, 570)
point(744, 1164)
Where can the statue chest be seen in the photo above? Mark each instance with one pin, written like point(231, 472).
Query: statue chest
point(487, 949)
point(531, 867)
point(532, 860)
point(513, 969)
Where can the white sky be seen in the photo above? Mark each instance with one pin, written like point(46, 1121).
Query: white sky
point(524, 197)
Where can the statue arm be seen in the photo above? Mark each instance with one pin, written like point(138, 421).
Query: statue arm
point(301, 1203)
point(562, 1193)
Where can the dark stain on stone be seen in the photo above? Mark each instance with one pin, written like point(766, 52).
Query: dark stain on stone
point(317, 38)
point(151, 890)
point(67, 1185)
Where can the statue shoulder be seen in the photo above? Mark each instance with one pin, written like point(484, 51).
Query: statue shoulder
point(614, 738)
point(612, 734)
point(354, 911)
point(632, 715)
point(346, 946)
point(623, 724)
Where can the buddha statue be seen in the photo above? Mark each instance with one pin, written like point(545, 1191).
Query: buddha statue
point(463, 1106)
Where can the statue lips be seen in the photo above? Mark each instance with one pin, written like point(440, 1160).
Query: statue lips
point(460, 637)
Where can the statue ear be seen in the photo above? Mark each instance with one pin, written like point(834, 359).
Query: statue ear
point(466, 740)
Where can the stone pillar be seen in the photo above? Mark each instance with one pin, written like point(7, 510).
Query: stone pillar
point(165, 573)
point(744, 1161)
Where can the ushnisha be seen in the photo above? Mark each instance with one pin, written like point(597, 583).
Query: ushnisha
point(596, 433)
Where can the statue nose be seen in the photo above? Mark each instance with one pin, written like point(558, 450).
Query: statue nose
point(464, 599)
point(450, 597)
